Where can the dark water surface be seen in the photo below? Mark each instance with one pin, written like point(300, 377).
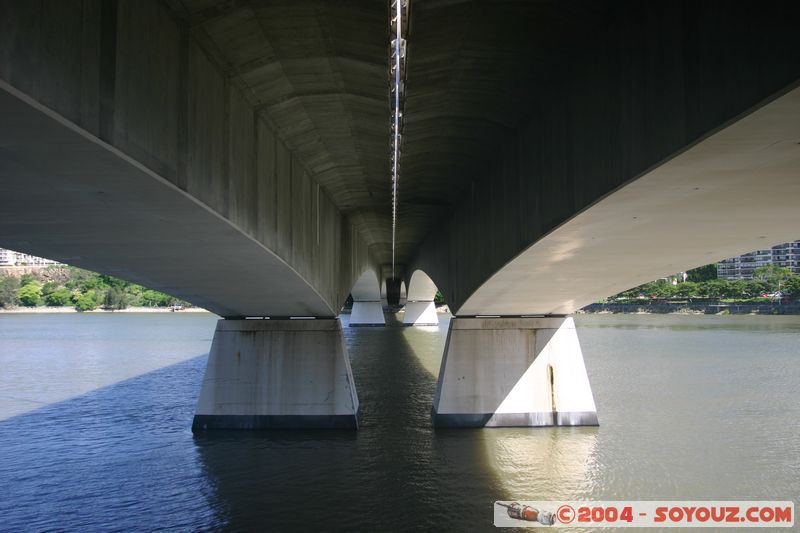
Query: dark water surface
point(95, 416)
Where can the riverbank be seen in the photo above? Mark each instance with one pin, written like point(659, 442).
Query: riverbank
point(60, 310)
point(688, 308)
point(607, 308)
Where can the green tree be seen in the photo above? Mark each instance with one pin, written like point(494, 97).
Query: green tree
point(25, 279)
point(715, 288)
point(58, 298)
point(739, 288)
point(645, 290)
point(792, 287)
point(9, 288)
point(773, 275)
point(134, 293)
point(665, 290)
point(111, 281)
point(687, 289)
point(30, 295)
point(756, 288)
point(48, 288)
point(76, 276)
point(86, 301)
point(92, 283)
point(703, 273)
point(151, 298)
point(648, 289)
point(115, 299)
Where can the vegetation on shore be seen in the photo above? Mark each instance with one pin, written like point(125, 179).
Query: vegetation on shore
point(771, 283)
point(60, 286)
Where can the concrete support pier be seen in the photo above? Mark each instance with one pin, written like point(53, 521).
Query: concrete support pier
point(420, 308)
point(367, 314)
point(265, 374)
point(420, 314)
point(513, 372)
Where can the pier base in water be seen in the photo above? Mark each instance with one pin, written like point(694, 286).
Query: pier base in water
point(420, 314)
point(264, 374)
point(367, 314)
point(513, 372)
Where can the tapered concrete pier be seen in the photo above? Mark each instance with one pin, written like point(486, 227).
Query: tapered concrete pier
point(367, 314)
point(420, 308)
point(264, 374)
point(420, 314)
point(513, 372)
point(367, 307)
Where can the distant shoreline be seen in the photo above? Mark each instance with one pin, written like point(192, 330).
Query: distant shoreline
point(693, 309)
point(61, 310)
point(593, 309)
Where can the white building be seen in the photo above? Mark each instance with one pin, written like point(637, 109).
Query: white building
point(12, 258)
point(742, 267)
point(7, 257)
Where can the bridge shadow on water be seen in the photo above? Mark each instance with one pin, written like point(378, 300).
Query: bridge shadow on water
point(117, 458)
point(396, 473)
point(393, 474)
point(123, 457)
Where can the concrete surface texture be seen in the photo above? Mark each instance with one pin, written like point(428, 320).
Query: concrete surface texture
point(235, 154)
point(420, 314)
point(367, 301)
point(736, 191)
point(420, 309)
point(366, 288)
point(367, 314)
point(127, 150)
point(617, 94)
point(277, 374)
point(513, 372)
point(421, 287)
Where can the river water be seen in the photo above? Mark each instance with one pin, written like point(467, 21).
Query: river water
point(95, 416)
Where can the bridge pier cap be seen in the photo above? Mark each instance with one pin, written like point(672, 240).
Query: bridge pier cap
point(513, 372)
point(265, 374)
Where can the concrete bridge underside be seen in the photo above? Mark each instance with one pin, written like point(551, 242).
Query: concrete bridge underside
point(235, 154)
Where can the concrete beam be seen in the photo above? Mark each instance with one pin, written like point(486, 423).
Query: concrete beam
point(126, 150)
point(734, 192)
point(647, 82)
